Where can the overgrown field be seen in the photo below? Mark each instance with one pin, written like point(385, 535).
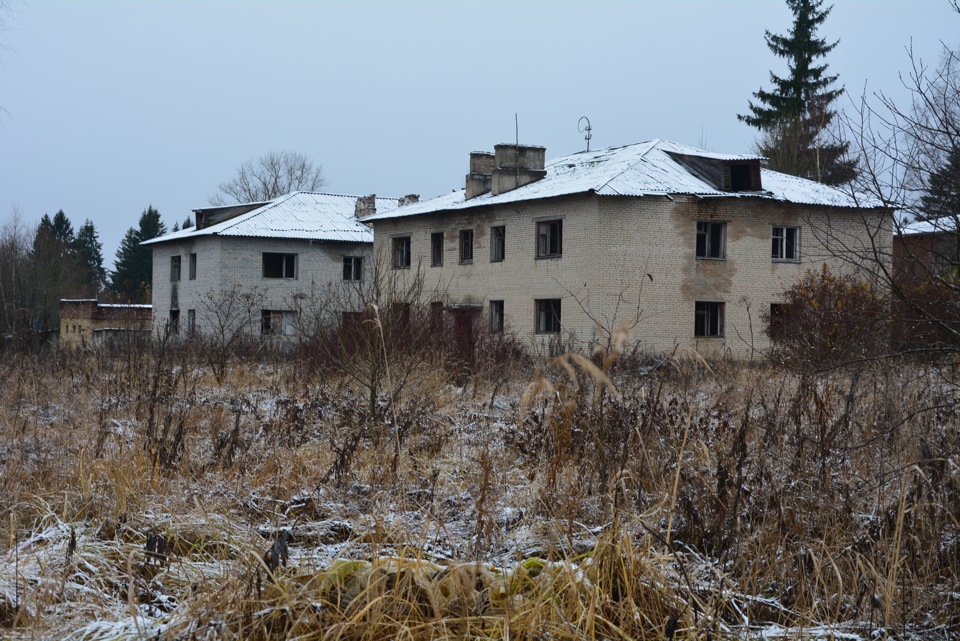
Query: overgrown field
point(140, 497)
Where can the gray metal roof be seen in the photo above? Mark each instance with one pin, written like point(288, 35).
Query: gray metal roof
point(300, 215)
point(641, 169)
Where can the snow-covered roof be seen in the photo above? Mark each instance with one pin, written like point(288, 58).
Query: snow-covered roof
point(932, 226)
point(299, 215)
point(641, 169)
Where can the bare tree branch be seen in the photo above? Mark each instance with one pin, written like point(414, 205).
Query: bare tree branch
point(269, 176)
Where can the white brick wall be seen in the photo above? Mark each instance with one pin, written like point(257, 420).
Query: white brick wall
point(610, 244)
point(225, 262)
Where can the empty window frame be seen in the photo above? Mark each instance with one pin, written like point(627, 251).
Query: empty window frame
point(401, 252)
point(741, 177)
point(436, 249)
point(498, 243)
point(711, 240)
point(549, 239)
point(279, 265)
point(466, 245)
point(708, 319)
point(786, 244)
point(353, 268)
point(175, 269)
point(191, 319)
point(496, 316)
point(277, 322)
point(193, 267)
point(548, 316)
point(174, 324)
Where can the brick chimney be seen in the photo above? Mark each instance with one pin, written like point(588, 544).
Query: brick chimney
point(481, 173)
point(516, 166)
point(409, 199)
point(366, 206)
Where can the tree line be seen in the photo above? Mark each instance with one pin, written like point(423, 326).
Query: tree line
point(41, 265)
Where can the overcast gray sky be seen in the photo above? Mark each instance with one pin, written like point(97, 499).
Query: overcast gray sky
point(115, 105)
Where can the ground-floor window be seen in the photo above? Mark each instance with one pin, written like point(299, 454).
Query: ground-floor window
point(708, 319)
point(496, 316)
point(174, 324)
point(278, 322)
point(548, 316)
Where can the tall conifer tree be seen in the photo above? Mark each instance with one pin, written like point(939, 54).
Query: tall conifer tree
point(89, 251)
point(795, 115)
point(131, 279)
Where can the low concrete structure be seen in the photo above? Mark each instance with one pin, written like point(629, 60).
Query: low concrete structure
point(87, 323)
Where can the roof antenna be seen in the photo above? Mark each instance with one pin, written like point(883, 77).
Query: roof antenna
point(587, 129)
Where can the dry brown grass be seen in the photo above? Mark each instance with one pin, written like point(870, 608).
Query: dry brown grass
point(140, 499)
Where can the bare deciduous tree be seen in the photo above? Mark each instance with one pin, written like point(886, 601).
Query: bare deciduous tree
point(269, 176)
point(229, 317)
point(902, 147)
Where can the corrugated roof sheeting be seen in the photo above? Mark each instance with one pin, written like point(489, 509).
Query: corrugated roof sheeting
point(300, 215)
point(642, 169)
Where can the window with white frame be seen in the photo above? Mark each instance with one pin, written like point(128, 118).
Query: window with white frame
point(548, 316)
point(708, 320)
point(786, 244)
point(711, 240)
point(353, 268)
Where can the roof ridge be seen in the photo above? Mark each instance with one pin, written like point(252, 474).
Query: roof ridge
point(256, 212)
point(641, 158)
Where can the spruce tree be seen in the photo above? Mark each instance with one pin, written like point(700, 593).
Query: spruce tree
point(795, 115)
point(942, 197)
point(62, 229)
point(53, 272)
point(131, 279)
point(187, 223)
point(89, 251)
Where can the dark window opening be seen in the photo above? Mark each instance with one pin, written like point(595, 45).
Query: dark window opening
point(174, 269)
point(174, 325)
point(191, 321)
point(496, 316)
point(710, 240)
point(709, 319)
point(549, 239)
point(548, 316)
point(741, 177)
point(353, 268)
point(498, 244)
point(436, 249)
point(193, 267)
point(401, 252)
point(279, 265)
point(466, 246)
